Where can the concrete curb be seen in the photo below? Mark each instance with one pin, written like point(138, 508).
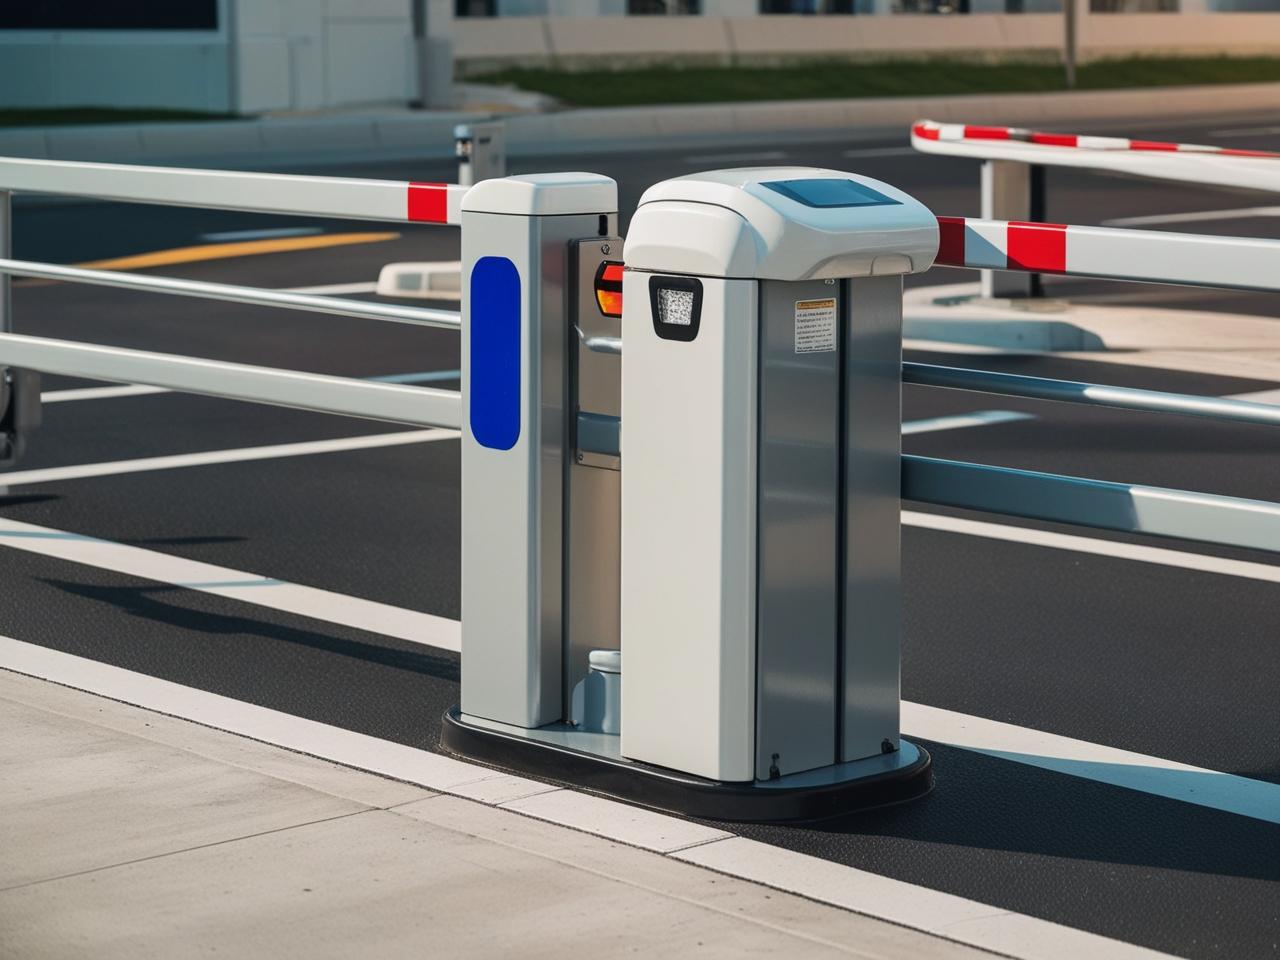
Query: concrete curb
point(300, 141)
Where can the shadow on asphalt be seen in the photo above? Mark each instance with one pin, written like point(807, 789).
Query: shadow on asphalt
point(144, 602)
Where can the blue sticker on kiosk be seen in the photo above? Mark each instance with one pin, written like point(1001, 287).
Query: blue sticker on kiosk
point(495, 353)
point(830, 193)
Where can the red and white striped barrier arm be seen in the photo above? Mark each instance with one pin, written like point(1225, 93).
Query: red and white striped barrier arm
point(1239, 263)
point(1186, 162)
point(380, 200)
point(959, 132)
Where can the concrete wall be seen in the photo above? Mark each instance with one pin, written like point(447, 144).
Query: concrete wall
point(312, 54)
point(580, 42)
point(178, 69)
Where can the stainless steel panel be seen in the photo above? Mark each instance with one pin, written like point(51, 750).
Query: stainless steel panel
point(593, 492)
point(872, 589)
point(798, 552)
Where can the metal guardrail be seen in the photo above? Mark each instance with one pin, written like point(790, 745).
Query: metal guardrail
point(1127, 508)
point(232, 293)
point(422, 406)
point(1098, 395)
point(1180, 258)
point(988, 244)
point(250, 192)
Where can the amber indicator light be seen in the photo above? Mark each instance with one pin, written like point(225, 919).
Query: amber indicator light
point(609, 288)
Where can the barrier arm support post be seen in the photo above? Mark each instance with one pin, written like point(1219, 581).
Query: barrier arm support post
point(516, 440)
point(1012, 191)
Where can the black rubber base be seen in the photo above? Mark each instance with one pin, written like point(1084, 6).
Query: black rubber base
point(679, 793)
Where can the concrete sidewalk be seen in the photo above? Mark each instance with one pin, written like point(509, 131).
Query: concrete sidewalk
point(128, 833)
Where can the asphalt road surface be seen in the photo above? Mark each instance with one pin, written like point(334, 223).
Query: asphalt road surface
point(1164, 660)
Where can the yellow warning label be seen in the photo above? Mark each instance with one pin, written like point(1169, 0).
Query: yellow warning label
point(816, 325)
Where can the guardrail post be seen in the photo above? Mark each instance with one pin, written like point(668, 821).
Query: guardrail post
point(1008, 194)
point(6, 251)
point(516, 236)
point(481, 152)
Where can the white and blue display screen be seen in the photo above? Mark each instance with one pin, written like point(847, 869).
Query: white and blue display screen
point(830, 193)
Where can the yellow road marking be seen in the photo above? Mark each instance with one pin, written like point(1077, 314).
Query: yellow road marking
point(222, 251)
point(245, 248)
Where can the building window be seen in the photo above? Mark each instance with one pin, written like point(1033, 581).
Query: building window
point(664, 7)
point(475, 8)
point(109, 15)
point(1133, 6)
point(806, 6)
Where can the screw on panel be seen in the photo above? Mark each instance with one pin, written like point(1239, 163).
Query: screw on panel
point(605, 249)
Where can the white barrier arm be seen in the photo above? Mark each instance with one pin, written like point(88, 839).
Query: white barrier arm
point(1185, 162)
point(421, 406)
point(382, 200)
point(1150, 256)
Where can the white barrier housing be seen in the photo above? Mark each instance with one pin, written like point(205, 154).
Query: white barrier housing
point(762, 331)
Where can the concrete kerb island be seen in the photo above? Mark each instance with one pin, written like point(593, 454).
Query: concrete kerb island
point(764, 685)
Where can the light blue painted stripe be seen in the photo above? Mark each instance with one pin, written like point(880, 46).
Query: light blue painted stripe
point(1227, 792)
point(430, 376)
point(36, 535)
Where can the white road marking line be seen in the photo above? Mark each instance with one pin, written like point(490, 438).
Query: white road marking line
point(237, 455)
point(325, 605)
point(1258, 396)
point(231, 236)
point(1239, 213)
point(1257, 799)
point(1245, 132)
point(884, 152)
point(952, 917)
point(1032, 536)
point(733, 157)
point(100, 393)
point(979, 418)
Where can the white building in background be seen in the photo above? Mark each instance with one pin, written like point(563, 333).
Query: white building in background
point(223, 56)
point(264, 56)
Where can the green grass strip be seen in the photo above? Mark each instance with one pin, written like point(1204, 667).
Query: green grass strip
point(838, 80)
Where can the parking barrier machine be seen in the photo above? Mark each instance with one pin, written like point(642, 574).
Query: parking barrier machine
point(758, 598)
